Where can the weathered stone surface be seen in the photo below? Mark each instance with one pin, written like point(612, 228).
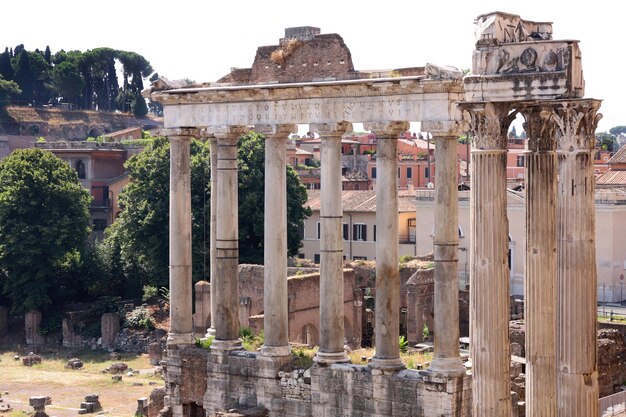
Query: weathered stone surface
point(32, 320)
point(611, 361)
point(156, 402)
point(110, 327)
point(118, 368)
point(156, 353)
point(74, 363)
point(31, 359)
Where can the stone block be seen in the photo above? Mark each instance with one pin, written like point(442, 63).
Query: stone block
point(110, 327)
point(32, 321)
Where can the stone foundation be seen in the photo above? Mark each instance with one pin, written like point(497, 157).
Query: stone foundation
point(205, 383)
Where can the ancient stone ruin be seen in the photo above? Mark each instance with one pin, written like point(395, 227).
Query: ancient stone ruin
point(308, 78)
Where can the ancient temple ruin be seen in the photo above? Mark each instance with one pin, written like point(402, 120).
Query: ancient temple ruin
point(309, 79)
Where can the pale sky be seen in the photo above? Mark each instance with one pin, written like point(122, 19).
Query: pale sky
point(202, 40)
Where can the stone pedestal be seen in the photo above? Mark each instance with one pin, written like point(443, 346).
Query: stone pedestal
point(4, 321)
point(110, 327)
point(387, 327)
point(155, 352)
point(332, 329)
point(202, 315)
point(32, 320)
point(489, 289)
point(577, 375)
point(181, 323)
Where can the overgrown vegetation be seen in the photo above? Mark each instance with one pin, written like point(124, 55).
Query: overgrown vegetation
point(140, 319)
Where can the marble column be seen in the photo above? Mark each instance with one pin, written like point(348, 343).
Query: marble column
point(577, 370)
point(213, 233)
point(489, 289)
point(387, 319)
point(275, 300)
point(181, 302)
point(446, 359)
point(540, 279)
point(332, 329)
point(225, 283)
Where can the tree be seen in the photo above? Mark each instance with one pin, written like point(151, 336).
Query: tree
point(6, 69)
point(606, 141)
point(7, 89)
point(44, 222)
point(24, 77)
point(138, 106)
point(617, 130)
point(141, 230)
point(67, 80)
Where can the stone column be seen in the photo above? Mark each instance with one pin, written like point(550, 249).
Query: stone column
point(577, 370)
point(540, 280)
point(181, 303)
point(489, 289)
point(32, 321)
point(213, 232)
point(446, 360)
point(387, 327)
point(332, 330)
point(225, 283)
point(275, 300)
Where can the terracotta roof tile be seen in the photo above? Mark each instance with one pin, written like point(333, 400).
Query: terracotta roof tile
point(362, 201)
point(619, 157)
point(612, 177)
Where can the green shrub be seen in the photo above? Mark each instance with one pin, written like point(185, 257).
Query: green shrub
point(149, 292)
point(204, 343)
point(405, 258)
point(404, 344)
point(425, 333)
point(140, 318)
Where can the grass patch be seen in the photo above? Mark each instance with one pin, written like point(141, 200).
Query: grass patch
point(411, 358)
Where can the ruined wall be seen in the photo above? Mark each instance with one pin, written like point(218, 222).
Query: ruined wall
point(244, 380)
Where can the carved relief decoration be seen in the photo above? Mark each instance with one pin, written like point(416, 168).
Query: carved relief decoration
point(387, 129)
point(509, 60)
point(489, 125)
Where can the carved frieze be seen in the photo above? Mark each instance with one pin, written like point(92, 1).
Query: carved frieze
point(489, 124)
point(281, 130)
point(529, 57)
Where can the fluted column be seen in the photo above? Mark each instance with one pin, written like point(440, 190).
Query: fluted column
point(275, 299)
point(332, 331)
point(181, 324)
point(387, 320)
point(540, 279)
point(577, 376)
point(213, 233)
point(225, 283)
point(446, 360)
point(489, 289)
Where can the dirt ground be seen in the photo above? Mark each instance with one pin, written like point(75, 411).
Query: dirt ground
point(68, 388)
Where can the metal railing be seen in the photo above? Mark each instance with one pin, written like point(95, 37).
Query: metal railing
point(612, 405)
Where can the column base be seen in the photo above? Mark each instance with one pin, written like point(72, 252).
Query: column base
point(174, 339)
point(446, 367)
point(225, 346)
point(394, 364)
point(210, 332)
point(275, 350)
point(331, 357)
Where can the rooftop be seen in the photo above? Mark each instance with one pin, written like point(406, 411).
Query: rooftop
point(363, 201)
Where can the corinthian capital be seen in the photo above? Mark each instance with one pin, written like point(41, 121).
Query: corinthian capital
point(489, 124)
point(577, 121)
point(331, 129)
point(541, 127)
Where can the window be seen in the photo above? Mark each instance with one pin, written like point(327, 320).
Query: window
point(359, 231)
point(520, 160)
point(99, 224)
point(319, 230)
point(374, 233)
point(373, 172)
point(80, 169)
point(398, 172)
point(346, 231)
point(427, 173)
point(316, 258)
point(409, 172)
point(359, 258)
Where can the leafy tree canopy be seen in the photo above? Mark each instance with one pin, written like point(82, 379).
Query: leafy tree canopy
point(617, 130)
point(44, 222)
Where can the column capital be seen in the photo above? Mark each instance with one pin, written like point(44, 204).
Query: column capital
point(576, 122)
point(183, 131)
point(489, 124)
point(227, 131)
point(445, 128)
point(389, 130)
point(279, 130)
point(540, 126)
point(331, 129)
